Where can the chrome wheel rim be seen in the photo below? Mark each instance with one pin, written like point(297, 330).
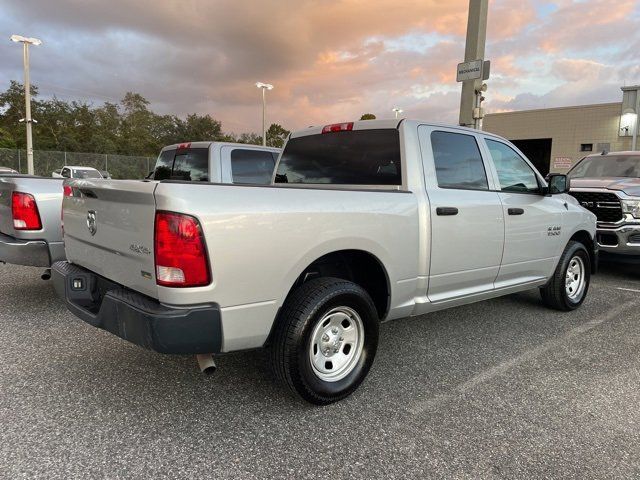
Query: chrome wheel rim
point(336, 344)
point(575, 279)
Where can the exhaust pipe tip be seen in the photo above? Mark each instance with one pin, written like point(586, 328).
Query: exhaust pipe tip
point(206, 363)
point(46, 275)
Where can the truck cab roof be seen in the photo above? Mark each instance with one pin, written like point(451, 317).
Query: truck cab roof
point(207, 144)
point(387, 123)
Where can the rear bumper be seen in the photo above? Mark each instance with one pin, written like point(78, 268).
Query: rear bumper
point(32, 253)
point(624, 240)
point(135, 317)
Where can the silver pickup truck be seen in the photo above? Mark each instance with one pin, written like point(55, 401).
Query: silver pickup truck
point(30, 230)
point(609, 186)
point(364, 222)
point(36, 239)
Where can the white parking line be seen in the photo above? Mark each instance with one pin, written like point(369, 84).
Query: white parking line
point(507, 365)
point(628, 289)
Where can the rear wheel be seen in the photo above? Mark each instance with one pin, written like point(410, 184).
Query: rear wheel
point(568, 287)
point(325, 340)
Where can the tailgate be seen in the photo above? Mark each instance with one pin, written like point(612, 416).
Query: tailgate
point(6, 219)
point(108, 229)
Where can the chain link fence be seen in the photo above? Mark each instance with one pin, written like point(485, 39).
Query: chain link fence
point(45, 162)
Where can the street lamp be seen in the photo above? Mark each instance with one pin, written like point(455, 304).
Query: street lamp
point(26, 41)
point(264, 87)
point(397, 111)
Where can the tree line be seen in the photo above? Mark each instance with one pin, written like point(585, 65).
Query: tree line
point(129, 127)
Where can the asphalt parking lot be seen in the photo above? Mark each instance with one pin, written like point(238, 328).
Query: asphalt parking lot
point(504, 388)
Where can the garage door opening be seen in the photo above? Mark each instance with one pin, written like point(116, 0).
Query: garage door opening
point(538, 151)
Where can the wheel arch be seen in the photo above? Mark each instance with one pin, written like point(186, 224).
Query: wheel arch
point(585, 238)
point(356, 265)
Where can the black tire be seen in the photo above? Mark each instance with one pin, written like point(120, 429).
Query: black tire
point(291, 342)
point(554, 293)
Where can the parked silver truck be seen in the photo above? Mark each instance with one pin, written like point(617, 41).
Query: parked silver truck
point(608, 184)
point(30, 230)
point(364, 222)
point(30, 207)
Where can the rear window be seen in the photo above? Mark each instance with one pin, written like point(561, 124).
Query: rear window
point(190, 164)
point(358, 157)
point(86, 174)
point(251, 166)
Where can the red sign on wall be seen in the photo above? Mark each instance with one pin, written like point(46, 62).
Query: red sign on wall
point(562, 163)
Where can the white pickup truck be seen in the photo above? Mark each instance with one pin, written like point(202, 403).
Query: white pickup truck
point(364, 222)
point(222, 162)
point(70, 171)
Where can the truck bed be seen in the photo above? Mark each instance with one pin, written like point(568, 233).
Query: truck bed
point(258, 239)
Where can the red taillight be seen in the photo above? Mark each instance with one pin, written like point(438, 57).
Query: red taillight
point(338, 127)
point(25, 212)
point(67, 191)
point(182, 146)
point(181, 256)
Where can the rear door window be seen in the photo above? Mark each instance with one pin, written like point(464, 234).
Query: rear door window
point(251, 166)
point(357, 157)
point(188, 164)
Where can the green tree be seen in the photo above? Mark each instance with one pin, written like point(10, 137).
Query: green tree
point(108, 126)
point(12, 107)
point(277, 135)
point(136, 125)
point(250, 138)
point(6, 140)
point(368, 116)
point(129, 127)
point(200, 128)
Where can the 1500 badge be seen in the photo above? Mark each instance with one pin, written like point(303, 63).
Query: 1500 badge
point(134, 247)
point(553, 231)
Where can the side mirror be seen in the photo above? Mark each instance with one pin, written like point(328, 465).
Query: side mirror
point(558, 183)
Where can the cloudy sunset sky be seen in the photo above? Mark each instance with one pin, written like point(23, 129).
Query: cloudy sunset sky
point(329, 60)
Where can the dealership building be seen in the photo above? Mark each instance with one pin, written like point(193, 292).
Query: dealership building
point(554, 139)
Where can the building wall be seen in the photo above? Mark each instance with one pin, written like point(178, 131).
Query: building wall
point(568, 127)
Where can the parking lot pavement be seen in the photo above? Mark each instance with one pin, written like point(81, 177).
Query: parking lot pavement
point(504, 388)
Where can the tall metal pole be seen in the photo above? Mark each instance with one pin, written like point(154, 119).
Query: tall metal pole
point(474, 50)
point(634, 141)
point(27, 108)
point(264, 118)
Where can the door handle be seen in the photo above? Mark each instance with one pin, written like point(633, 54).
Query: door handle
point(515, 211)
point(443, 211)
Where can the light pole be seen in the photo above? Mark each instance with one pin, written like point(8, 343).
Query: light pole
point(474, 50)
point(397, 111)
point(264, 87)
point(26, 41)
